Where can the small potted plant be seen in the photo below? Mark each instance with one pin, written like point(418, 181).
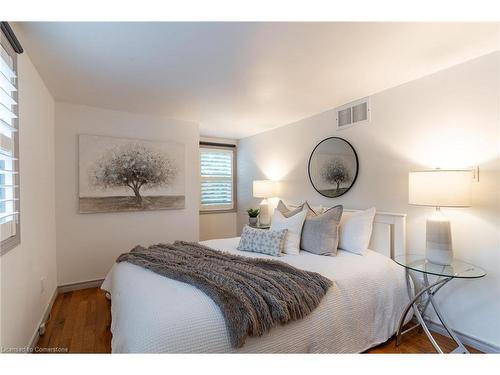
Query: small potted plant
point(252, 216)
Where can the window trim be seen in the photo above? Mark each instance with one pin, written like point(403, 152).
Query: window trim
point(222, 146)
point(13, 241)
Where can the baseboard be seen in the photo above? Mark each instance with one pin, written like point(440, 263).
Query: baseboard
point(45, 317)
point(473, 342)
point(79, 285)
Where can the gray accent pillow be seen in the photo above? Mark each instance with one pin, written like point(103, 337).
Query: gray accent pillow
point(286, 212)
point(270, 242)
point(320, 233)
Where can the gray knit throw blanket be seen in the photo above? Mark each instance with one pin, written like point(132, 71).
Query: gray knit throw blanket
point(253, 294)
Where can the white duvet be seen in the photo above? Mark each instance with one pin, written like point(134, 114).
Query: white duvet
point(155, 314)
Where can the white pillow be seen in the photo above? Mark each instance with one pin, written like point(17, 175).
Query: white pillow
point(356, 230)
point(294, 225)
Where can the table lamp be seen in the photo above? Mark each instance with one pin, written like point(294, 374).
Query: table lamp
point(264, 189)
point(439, 188)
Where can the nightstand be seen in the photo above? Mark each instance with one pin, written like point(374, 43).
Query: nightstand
point(444, 274)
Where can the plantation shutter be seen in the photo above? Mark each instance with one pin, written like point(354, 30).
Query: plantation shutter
point(9, 165)
point(217, 179)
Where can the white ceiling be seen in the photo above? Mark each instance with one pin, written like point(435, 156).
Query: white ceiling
point(239, 79)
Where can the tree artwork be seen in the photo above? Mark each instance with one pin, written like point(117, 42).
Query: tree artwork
point(135, 166)
point(335, 173)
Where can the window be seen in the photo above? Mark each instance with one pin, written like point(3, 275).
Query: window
point(217, 168)
point(9, 164)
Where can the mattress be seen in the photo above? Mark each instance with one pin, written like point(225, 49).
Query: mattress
point(155, 314)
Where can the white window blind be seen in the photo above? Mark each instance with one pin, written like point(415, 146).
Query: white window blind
point(217, 178)
point(9, 165)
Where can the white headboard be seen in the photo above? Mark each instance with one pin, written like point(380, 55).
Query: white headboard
point(389, 233)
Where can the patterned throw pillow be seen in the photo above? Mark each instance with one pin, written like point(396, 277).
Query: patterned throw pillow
point(270, 242)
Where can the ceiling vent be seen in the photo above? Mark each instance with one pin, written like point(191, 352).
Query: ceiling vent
point(353, 113)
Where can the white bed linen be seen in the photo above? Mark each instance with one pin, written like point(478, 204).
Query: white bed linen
point(155, 314)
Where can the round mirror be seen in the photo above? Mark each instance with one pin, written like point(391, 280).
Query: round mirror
point(333, 167)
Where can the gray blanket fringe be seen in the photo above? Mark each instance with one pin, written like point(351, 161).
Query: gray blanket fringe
point(253, 294)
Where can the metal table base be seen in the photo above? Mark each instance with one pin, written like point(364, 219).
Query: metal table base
point(430, 291)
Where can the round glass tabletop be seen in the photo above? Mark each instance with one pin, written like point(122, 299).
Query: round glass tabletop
point(457, 268)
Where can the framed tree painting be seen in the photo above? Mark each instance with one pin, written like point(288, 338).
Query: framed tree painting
point(118, 174)
point(333, 167)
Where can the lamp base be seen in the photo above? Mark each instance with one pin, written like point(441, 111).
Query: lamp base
point(439, 249)
point(264, 218)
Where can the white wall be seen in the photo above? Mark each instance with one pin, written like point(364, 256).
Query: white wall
point(448, 119)
point(22, 302)
point(88, 244)
point(220, 224)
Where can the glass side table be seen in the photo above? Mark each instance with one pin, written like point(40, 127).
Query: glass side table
point(418, 263)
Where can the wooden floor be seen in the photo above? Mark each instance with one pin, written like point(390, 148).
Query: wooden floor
point(80, 322)
point(414, 342)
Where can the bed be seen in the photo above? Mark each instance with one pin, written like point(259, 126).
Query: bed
point(155, 314)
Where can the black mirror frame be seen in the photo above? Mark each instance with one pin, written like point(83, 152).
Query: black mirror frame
point(357, 166)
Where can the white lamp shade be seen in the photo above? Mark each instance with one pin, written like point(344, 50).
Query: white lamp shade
point(440, 188)
point(264, 189)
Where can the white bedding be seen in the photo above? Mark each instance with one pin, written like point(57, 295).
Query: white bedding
point(154, 314)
